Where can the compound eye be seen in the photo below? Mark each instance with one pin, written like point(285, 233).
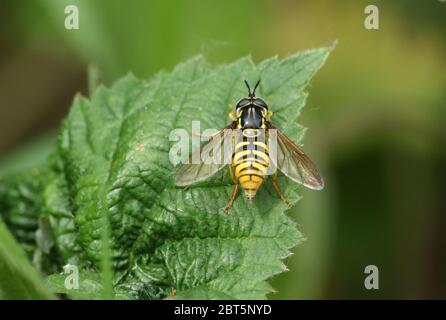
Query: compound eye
point(261, 103)
point(242, 103)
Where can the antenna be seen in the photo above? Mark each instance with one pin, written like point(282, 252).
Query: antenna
point(255, 87)
point(249, 89)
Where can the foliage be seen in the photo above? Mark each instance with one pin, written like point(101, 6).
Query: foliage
point(109, 204)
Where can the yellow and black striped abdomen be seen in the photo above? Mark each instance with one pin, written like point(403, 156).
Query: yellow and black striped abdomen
point(250, 161)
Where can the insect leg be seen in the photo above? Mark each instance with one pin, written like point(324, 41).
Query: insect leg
point(234, 194)
point(279, 192)
point(231, 172)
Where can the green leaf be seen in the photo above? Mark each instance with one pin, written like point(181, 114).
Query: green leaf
point(18, 279)
point(89, 286)
point(114, 154)
point(21, 204)
point(106, 201)
point(31, 155)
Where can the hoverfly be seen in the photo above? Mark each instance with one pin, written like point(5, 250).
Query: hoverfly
point(250, 155)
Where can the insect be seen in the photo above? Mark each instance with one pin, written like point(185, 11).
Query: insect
point(250, 154)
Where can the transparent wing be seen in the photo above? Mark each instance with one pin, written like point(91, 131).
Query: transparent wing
point(295, 164)
point(189, 173)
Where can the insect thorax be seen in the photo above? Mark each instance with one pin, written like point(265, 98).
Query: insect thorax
point(251, 118)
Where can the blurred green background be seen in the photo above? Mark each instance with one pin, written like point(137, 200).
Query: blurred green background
point(376, 115)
